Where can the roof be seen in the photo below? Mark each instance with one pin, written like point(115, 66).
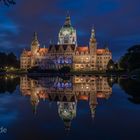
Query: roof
point(83, 97)
point(27, 53)
point(102, 51)
point(63, 46)
point(82, 49)
point(43, 51)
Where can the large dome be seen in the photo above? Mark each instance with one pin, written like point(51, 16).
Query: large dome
point(67, 34)
point(67, 110)
point(67, 30)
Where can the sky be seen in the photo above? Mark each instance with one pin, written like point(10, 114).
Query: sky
point(117, 23)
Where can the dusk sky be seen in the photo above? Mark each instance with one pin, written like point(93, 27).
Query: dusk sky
point(116, 22)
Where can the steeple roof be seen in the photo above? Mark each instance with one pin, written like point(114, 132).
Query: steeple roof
point(67, 21)
point(35, 35)
point(93, 32)
point(106, 46)
point(35, 39)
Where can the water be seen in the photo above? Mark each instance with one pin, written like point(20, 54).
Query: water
point(78, 107)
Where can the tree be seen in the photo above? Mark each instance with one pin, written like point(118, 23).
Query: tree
point(132, 88)
point(8, 2)
point(123, 63)
point(131, 60)
point(111, 65)
point(12, 60)
point(8, 60)
point(8, 84)
point(3, 59)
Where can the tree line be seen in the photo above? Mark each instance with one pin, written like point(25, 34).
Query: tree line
point(9, 60)
point(130, 61)
point(8, 2)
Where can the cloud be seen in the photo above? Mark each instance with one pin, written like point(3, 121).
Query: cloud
point(10, 27)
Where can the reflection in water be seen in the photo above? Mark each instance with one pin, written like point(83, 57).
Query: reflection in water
point(8, 83)
point(75, 102)
point(66, 93)
point(132, 88)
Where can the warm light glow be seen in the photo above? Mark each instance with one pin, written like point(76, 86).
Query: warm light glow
point(111, 79)
point(12, 77)
point(111, 67)
point(11, 68)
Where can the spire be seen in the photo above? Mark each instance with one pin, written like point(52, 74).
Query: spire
point(93, 39)
point(67, 21)
point(35, 35)
point(34, 99)
point(93, 103)
point(50, 42)
point(67, 125)
point(93, 32)
point(93, 111)
point(106, 46)
point(34, 106)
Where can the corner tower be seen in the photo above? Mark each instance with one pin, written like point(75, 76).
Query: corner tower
point(67, 34)
point(35, 44)
point(93, 42)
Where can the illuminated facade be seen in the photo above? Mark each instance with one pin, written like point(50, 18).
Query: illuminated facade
point(66, 52)
point(66, 93)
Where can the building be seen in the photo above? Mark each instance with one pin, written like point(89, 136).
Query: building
point(67, 52)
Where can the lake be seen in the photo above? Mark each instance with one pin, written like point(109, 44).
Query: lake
point(77, 107)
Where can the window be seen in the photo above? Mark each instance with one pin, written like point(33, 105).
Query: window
point(66, 39)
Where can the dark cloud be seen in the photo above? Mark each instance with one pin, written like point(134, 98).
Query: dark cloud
point(117, 22)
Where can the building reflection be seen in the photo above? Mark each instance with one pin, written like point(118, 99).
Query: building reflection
point(66, 93)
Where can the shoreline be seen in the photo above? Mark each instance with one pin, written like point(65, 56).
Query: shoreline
point(118, 73)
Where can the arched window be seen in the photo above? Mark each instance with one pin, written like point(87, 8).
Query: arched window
point(69, 61)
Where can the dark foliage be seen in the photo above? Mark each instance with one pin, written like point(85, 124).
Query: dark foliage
point(131, 60)
point(132, 88)
point(9, 84)
point(8, 2)
point(111, 65)
point(8, 60)
point(112, 80)
point(36, 69)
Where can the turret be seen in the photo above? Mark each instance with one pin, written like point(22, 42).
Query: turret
point(93, 43)
point(34, 99)
point(93, 103)
point(35, 44)
point(67, 21)
point(106, 47)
